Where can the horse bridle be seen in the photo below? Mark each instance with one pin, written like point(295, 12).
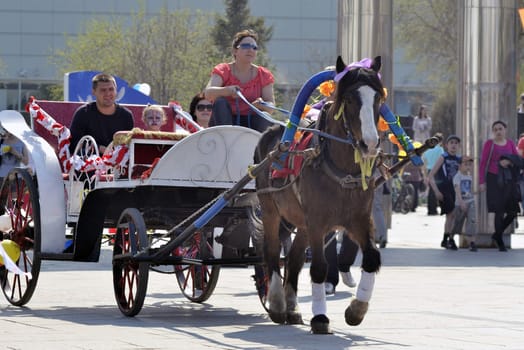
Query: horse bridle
point(351, 139)
point(324, 161)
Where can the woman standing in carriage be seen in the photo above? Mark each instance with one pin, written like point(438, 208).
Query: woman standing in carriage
point(254, 82)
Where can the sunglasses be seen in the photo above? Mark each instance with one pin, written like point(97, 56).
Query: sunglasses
point(201, 108)
point(247, 46)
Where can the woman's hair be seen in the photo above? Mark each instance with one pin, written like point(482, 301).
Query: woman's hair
point(192, 106)
point(422, 108)
point(153, 108)
point(499, 122)
point(244, 34)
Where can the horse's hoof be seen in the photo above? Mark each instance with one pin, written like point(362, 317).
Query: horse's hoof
point(294, 318)
point(278, 317)
point(355, 312)
point(320, 325)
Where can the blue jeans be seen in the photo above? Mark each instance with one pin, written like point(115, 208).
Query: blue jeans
point(223, 115)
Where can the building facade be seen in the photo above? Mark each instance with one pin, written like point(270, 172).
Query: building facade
point(304, 37)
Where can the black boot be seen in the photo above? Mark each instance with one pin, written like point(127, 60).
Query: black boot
point(444, 243)
point(499, 242)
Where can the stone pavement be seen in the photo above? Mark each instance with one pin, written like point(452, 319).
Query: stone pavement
point(425, 298)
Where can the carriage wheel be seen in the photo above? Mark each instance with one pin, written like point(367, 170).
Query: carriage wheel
point(197, 282)
point(130, 277)
point(19, 200)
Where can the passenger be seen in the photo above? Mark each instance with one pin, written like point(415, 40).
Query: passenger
point(255, 83)
point(499, 193)
point(201, 110)
point(13, 154)
point(465, 210)
point(441, 180)
point(101, 118)
point(153, 117)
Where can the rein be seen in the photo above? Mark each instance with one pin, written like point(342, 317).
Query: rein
point(317, 132)
point(341, 177)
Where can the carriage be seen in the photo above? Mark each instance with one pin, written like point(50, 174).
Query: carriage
point(57, 212)
point(173, 200)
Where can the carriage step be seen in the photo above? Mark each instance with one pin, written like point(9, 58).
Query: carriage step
point(57, 256)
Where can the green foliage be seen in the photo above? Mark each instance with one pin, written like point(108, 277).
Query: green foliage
point(427, 29)
point(445, 110)
point(237, 18)
point(172, 51)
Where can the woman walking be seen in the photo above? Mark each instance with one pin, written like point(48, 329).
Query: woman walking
point(497, 181)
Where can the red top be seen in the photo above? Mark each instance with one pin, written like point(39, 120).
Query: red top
point(251, 90)
point(520, 145)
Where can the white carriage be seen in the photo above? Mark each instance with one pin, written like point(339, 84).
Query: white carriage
point(147, 199)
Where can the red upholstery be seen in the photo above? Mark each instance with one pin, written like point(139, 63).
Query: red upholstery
point(63, 111)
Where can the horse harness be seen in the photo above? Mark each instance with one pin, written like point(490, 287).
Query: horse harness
point(324, 161)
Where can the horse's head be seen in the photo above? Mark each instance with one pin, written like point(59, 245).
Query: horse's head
point(358, 97)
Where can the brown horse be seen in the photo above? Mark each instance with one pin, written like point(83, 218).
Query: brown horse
point(329, 193)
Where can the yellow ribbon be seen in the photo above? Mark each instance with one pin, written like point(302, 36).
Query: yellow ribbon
point(339, 113)
point(366, 167)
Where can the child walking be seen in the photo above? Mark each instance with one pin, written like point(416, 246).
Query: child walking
point(441, 180)
point(465, 210)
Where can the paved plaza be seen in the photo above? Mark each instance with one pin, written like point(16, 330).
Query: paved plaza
point(425, 298)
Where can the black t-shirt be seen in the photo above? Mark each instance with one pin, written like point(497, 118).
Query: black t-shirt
point(448, 169)
point(88, 120)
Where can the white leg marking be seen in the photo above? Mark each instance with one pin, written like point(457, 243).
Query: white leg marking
point(276, 298)
point(318, 296)
point(365, 287)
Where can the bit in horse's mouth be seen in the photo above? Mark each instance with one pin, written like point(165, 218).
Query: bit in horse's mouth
point(366, 151)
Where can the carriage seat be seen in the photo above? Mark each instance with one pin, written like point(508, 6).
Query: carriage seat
point(146, 147)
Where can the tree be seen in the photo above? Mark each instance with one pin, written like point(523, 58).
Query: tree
point(237, 18)
point(172, 51)
point(427, 29)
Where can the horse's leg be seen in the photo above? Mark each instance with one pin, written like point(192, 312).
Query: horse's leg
point(276, 296)
point(358, 307)
point(294, 263)
point(318, 272)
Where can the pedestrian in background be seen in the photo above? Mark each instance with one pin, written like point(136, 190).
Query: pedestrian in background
point(492, 179)
point(441, 180)
point(430, 158)
point(422, 125)
point(339, 262)
point(465, 209)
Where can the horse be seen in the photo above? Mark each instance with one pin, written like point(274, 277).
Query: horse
point(329, 193)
